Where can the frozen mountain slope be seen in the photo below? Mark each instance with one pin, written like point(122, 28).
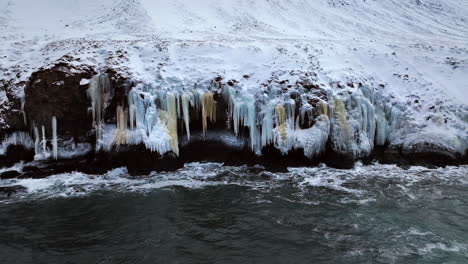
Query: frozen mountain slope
point(323, 19)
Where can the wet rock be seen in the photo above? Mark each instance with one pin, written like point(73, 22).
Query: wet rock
point(429, 154)
point(339, 160)
point(9, 174)
point(39, 174)
point(15, 154)
point(140, 161)
point(423, 154)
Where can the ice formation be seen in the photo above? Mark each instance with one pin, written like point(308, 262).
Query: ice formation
point(17, 139)
point(171, 122)
point(45, 153)
point(121, 126)
point(186, 112)
point(40, 144)
point(37, 140)
point(208, 109)
point(99, 92)
point(288, 119)
point(154, 116)
point(54, 137)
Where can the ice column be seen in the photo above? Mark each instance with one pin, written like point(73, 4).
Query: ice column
point(44, 142)
point(99, 92)
point(121, 126)
point(54, 137)
point(186, 113)
point(36, 140)
point(208, 110)
point(172, 122)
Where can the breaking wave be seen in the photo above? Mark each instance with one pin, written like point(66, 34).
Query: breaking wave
point(358, 185)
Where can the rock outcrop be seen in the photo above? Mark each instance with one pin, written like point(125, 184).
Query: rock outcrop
point(60, 91)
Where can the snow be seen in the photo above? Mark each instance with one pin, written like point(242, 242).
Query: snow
point(413, 55)
point(84, 81)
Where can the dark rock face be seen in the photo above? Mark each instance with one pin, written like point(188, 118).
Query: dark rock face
point(60, 91)
point(9, 174)
point(339, 160)
point(431, 154)
point(15, 154)
point(420, 155)
point(120, 87)
point(217, 151)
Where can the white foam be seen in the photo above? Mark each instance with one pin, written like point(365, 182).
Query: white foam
point(352, 183)
point(452, 247)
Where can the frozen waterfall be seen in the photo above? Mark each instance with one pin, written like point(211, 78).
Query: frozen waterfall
point(156, 117)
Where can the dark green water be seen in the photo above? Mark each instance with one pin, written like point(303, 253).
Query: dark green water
point(206, 213)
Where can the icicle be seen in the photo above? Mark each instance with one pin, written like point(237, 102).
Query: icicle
point(208, 109)
point(186, 113)
point(22, 110)
point(44, 142)
point(321, 108)
point(340, 111)
point(36, 140)
point(54, 137)
point(305, 112)
point(381, 128)
point(172, 122)
point(244, 114)
point(179, 111)
point(236, 115)
point(18, 139)
point(281, 120)
point(151, 118)
point(250, 121)
point(291, 112)
point(340, 128)
point(99, 92)
point(132, 109)
point(121, 138)
point(267, 125)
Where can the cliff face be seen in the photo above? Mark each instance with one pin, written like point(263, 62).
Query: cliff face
point(130, 88)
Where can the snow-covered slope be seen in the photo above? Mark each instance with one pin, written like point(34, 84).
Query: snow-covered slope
point(415, 53)
point(425, 39)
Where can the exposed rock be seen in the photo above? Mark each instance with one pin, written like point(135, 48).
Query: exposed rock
point(9, 174)
point(61, 92)
point(423, 154)
point(15, 154)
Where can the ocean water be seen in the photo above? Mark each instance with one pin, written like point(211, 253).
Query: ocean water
point(209, 213)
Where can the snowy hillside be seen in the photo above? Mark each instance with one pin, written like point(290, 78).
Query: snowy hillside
point(426, 40)
point(413, 54)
